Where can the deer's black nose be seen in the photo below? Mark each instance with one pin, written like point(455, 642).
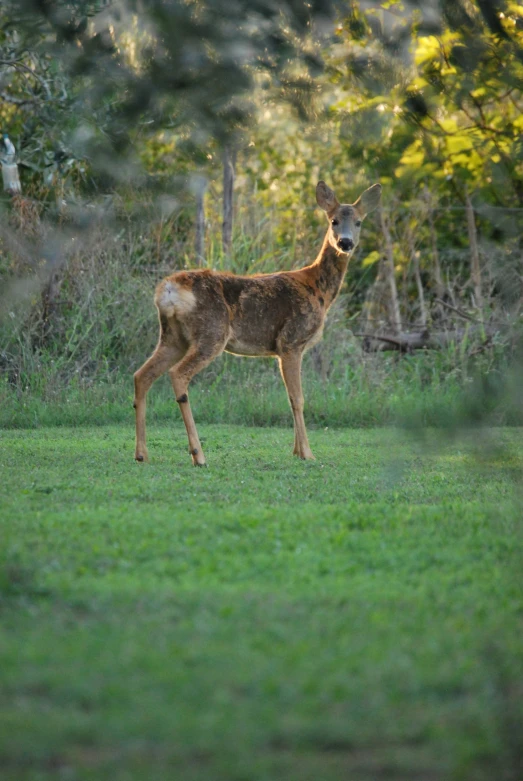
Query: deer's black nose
point(346, 245)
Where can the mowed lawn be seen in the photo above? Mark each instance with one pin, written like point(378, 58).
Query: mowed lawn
point(356, 618)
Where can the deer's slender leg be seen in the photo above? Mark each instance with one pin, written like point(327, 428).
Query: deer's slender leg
point(290, 366)
point(193, 361)
point(162, 359)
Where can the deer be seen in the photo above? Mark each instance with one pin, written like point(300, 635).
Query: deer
point(203, 313)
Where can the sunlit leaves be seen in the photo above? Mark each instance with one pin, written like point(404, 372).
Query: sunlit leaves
point(428, 48)
point(453, 113)
point(372, 258)
point(413, 158)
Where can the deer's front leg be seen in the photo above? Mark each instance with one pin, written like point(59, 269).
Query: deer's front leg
point(290, 366)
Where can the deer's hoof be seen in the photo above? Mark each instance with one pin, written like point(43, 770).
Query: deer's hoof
point(305, 455)
point(197, 457)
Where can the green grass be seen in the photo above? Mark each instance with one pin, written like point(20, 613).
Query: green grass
point(356, 618)
point(257, 401)
point(384, 390)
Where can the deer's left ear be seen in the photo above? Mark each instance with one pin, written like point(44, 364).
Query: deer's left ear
point(368, 200)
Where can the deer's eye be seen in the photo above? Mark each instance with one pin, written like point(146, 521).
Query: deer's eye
point(358, 223)
point(335, 222)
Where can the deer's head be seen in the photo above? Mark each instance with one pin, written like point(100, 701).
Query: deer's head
point(345, 218)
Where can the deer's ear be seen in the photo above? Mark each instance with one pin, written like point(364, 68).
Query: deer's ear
point(368, 200)
point(325, 197)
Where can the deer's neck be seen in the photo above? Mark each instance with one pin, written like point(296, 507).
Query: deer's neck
point(330, 267)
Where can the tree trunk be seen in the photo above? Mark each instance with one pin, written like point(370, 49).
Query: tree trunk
point(419, 284)
point(394, 301)
point(474, 253)
point(11, 178)
point(199, 238)
point(229, 162)
point(414, 257)
point(376, 300)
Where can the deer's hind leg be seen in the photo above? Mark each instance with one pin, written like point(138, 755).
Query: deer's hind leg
point(198, 356)
point(164, 356)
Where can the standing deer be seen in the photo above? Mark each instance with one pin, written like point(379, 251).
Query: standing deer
point(203, 312)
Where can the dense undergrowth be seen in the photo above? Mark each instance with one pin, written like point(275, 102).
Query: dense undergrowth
point(72, 337)
point(378, 391)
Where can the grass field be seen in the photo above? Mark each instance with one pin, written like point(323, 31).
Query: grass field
point(356, 618)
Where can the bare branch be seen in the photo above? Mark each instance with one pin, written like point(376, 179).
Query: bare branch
point(459, 312)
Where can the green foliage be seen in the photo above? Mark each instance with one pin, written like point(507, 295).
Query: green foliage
point(123, 75)
point(452, 114)
point(167, 84)
point(359, 616)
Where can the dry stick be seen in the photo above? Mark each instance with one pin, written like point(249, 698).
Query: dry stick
point(459, 312)
point(50, 294)
point(396, 316)
point(229, 161)
point(404, 302)
point(199, 239)
point(414, 255)
point(419, 284)
point(59, 196)
point(440, 287)
point(474, 253)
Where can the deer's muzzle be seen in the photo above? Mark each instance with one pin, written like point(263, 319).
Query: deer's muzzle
point(346, 244)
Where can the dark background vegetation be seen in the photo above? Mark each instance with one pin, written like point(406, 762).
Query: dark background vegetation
point(132, 121)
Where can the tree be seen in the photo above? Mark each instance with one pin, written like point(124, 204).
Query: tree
point(435, 102)
point(185, 66)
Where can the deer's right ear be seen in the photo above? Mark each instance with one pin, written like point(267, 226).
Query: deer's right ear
point(325, 197)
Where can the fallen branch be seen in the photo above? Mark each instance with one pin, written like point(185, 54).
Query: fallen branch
point(422, 340)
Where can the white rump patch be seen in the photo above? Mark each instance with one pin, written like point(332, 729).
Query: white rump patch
point(172, 299)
